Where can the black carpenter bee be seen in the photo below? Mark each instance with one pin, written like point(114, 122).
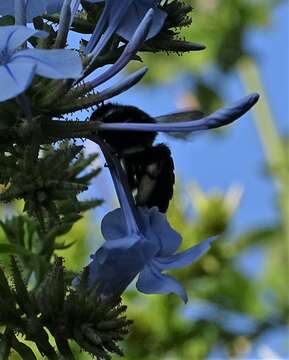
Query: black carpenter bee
point(149, 167)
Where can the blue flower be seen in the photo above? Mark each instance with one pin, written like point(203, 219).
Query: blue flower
point(33, 8)
point(124, 21)
point(137, 241)
point(148, 254)
point(18, 66)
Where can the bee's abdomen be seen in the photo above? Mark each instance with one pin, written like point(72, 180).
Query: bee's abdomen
point(156, 178)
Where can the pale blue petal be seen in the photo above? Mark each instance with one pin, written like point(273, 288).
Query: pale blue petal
point(34, 8)
point(184, 258)
point(219, 118)
point(53, 6)
point(15, 78)
point(133, 17)
point(151, 281)
point(113, 13)
point(99, 28)
point(113, 228)
point(122, 86)
point(113, 225)
point(115, 269)
point(125, 19)
point(12, 36)
point(169, 240)
point(129, 51)
point(54, 64)
point(114, 231)
point(122, 243)
point(147, 249)
point(153, 225)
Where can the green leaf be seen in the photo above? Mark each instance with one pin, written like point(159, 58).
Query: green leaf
point(7, 20)
point(14, 250)
point(23, 297)
point(23, 350)
point(63, 246)
point(5, 344)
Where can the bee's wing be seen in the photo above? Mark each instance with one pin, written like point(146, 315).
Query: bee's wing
point(180, 116)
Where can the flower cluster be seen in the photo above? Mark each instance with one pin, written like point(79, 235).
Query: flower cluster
point(41, 82)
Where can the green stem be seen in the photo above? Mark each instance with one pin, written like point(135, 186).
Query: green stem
point(272, 143)
point(59, 130)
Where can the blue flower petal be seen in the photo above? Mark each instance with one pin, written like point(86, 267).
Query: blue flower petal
point(124, 20)
point(113, 13)
point(16, 77)
point(12, 36)
point(184, 258)
point(34, 7)
point(100, 26)
point(147, 249)
point(114, 230)
point(122, 86)
point(54, 6)
point(54, 64)
point(135, 14)
point(168, 239)
point(113, 225)
point(151, 281)
point(129, 51)
point(115, 268)
point(121, 243)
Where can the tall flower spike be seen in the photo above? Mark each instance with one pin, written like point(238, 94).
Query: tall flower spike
point(217, 119)
point(124, 21)
point(17, 67)
point(148, 250)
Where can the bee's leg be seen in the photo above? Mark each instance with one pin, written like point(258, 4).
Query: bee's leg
point(146, 184)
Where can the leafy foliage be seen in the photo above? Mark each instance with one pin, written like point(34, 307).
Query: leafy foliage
point(66, 312)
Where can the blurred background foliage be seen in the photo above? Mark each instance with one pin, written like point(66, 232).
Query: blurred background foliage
point(229, 306)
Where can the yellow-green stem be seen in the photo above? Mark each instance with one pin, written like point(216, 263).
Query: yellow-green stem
point(274, 148)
